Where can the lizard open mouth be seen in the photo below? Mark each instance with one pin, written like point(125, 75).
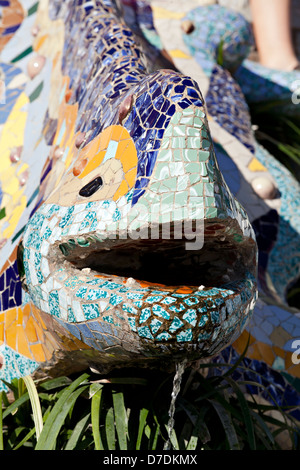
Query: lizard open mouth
point(145, 296)
point(167, 262)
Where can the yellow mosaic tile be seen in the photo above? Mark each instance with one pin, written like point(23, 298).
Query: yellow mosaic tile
point(163, 13)
point(178, 54)
point(255, 165)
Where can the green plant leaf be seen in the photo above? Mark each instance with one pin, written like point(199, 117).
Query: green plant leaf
point(173, 438)
point(196, 416)
point(263, 426)
point(35, 404)
point(56, 420)
point(246, 412)
point(142, 423)
point(110, 429)
point(226, 421)
point(25, 439)
point(94, 388)
point(96, 394)
point(77, 432)
point(152, 435)
point(59, 412)
point(55, 383)
point(121, 418)
point(11, 409)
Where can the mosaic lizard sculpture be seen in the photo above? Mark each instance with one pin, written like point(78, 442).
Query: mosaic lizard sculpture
point(272, 194)
point(199, 41)
point(131, 153)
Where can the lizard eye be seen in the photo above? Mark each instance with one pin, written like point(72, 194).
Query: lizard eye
point(90, 188)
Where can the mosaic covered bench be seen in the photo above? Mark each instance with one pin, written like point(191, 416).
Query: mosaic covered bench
point(120, 240)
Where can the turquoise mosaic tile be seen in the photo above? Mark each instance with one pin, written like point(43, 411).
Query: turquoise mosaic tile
point(155, 325)
point(164, 336)
point(91, 311)
point(145, 314)
point(176, 323)
point(144, 332)
point(191, 317)
point(97, 294)
point(161, 312)
point(81, 293)
point(203, 320)
point(185, 336)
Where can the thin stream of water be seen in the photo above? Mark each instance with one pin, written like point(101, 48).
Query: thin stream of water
point(180, 368)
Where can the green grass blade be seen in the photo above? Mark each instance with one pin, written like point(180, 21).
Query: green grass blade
point(59, 412)
point(227, 425)
point(21, 387)
point(263, 426)
point(245, 411)
point(1, 422)
point(77, 432)
point(239, 360)
point(56, 420)
point(110, 429)
point(173, 438)
point(121, 419)
point(293, 126)
point(196, 416)
point(35, 404)
point(289, 152)
point(200, 431)
point(142, 423)
point(152, 435)
point(95, 410)
point(193, 442)
point(11, 409)
point(55, 383)
point(13, 386)
point(25, 439)
point(5, 400)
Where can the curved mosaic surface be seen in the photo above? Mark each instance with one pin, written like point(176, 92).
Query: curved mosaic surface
point(118, 151)
point(224, 36)
point(275, 216)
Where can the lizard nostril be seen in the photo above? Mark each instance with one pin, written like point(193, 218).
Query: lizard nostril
point(90, 188)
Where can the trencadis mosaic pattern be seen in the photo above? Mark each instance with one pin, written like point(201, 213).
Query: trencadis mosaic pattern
point(230, 44)
point(115, 148)
point(266, 189)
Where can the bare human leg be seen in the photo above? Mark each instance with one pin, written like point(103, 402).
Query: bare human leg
point(271, 24)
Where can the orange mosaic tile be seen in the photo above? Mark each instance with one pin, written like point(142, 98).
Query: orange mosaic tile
point(11, 335)
point(10, 317)
point(38, 352)
point(39, 42)
point(266, 352)
point(22, 342)
point(12, 15)
point(31, 331)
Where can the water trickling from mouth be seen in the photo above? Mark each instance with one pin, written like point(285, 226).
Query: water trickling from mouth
point(180, 368)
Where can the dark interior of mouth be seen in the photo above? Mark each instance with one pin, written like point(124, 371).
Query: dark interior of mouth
point(293, 294)
point(168, 262)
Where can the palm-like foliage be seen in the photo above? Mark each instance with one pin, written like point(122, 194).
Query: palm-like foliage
point(130, 412)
